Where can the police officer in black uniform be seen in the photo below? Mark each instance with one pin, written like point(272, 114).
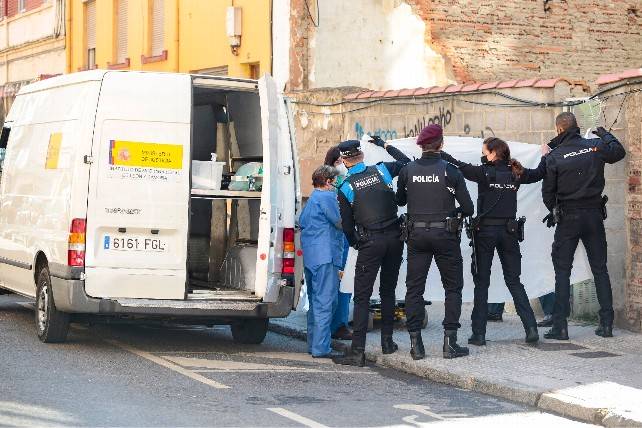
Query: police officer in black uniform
point(498, 179)
point(371, 225)
point(430, 186)
point(572, 191)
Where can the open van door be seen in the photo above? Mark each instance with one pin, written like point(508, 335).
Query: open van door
point(138, 203)
point(276, 266)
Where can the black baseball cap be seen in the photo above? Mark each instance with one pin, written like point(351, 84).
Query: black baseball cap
point(350, 148)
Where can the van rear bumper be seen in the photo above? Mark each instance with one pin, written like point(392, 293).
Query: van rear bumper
point(69, 296)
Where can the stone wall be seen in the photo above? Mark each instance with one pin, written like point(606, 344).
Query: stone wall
point(627, 99)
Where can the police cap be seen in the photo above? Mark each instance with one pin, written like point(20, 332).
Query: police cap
point(350, 148)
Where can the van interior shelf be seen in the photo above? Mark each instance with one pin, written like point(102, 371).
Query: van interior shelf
point(225, 194)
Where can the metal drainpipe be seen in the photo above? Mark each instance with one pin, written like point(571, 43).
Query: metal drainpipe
point(68, 39)
point(271, 38)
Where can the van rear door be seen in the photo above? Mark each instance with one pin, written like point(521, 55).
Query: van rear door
point(137, 215)
point(277, 213)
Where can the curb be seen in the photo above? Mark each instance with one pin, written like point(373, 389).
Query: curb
point(547, 401)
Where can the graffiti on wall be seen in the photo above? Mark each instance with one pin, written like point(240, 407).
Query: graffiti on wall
point(443, 118)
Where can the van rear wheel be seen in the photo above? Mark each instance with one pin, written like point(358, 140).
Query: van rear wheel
point(250, 331)
point(51, 324)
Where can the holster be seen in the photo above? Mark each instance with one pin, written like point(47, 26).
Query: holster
point(605, 214)
point(454, 224)
point(362, 234)
point(520, 226)
point(405, 227)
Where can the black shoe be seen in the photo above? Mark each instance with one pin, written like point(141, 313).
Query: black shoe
point(417, 351)
point(331, 354)
point(388, 346)
point(451, 349)
point(532, 336)
point(494, 317)
point(546, 322)
point(477, 339)
point(342, 333)
point(604, 330)
point(354, 357)
point(557, 333)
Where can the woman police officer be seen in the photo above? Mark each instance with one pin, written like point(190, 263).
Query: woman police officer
point(496, 228)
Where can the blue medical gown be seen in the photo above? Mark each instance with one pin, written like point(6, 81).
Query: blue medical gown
point(322, 245)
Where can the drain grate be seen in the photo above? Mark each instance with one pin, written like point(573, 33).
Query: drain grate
point(595, 354)
point(547, 346)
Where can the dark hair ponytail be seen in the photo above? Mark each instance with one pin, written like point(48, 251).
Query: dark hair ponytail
point(502, 151)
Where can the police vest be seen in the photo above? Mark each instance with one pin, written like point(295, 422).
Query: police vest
point(374, 200)
point(428, 193)
point(498, 196)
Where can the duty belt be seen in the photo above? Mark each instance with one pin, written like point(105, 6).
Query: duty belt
point(430, 225)
point(493, 221)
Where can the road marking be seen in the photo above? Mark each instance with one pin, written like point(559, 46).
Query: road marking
point(296, 418)
point(202, 365)
point(425, 410)
point(167, 364)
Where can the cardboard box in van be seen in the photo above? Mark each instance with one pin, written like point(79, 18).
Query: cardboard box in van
point(98, 214)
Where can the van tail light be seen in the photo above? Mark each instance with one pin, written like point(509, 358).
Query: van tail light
point(76, 251)
point(288, 252)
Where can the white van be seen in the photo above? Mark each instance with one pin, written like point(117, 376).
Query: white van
point(98, 214)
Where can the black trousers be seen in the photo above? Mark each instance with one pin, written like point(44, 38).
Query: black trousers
point(587, 225)
point(382, 251)
point(489, 239)
point(423, 245)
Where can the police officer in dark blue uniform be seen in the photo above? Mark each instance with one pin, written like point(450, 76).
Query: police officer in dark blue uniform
point(371, 225)
point(572, 191)
point(430, 186)
point(496, 227)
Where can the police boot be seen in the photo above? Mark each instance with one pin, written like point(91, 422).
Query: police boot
point(532, 335)
point(605, 330)
point(477, 339)
point(451, 349)
point(417, 351)
point(557, 333)
point(354, 357)
point(388, 346)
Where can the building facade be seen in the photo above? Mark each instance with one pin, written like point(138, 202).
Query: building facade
point(32, 44)
point(396, 44)
point(230, 38)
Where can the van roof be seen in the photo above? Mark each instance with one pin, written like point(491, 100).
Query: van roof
point(97, 75)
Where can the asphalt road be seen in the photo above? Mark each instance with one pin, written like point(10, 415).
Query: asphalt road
point(147, 375)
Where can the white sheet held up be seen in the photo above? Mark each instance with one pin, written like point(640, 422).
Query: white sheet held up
point(537, 268)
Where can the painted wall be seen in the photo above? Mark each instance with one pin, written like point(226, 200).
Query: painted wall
point(281, 41)
point(376, 44)
point(29, 44)
point(195, 36)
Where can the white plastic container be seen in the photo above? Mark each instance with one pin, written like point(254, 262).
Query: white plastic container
point(207, 175)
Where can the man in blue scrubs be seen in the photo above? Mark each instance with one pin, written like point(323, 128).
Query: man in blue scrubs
point(322, 244)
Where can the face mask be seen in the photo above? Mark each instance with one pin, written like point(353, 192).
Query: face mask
point(484, 159)
point(342, 170)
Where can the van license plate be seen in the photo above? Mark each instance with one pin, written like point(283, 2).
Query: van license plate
point(134, 244)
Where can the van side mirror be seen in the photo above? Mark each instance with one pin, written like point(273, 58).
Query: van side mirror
point(4, 137)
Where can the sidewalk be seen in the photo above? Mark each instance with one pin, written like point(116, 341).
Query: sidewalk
point(589, 378)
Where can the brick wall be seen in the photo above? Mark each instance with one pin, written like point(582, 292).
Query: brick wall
point(499, 39)
point(12, 6)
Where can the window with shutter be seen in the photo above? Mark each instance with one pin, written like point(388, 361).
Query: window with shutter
point(121, 32)
point(157, 27)
point(90, 35)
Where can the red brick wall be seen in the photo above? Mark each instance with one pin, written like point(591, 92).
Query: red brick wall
point(499, 39)
point(12, 6)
